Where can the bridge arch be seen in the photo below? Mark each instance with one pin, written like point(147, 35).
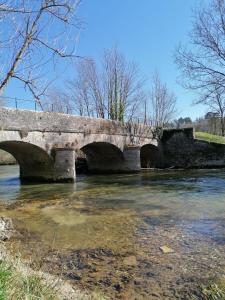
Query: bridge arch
point(103, 157)
point(35, 163)
point(150, 156)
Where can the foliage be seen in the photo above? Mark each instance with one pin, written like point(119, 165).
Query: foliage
point(183, 122)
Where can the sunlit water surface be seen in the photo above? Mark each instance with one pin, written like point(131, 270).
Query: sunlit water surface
point(131, 217)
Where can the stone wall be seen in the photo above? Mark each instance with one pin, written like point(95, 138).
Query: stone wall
point(181, 150)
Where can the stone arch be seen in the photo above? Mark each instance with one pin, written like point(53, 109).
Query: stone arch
point(103, 157)
point(150, 156)
point(35, 163)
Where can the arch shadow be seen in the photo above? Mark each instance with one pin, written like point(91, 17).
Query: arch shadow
point(103, 157)
point(35, 163)
point(150, 156)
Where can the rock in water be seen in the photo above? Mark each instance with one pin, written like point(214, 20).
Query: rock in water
point(166, 249)
point(6, 228)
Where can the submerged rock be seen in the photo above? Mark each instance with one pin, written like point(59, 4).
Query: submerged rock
point(6, 228)
point(166, 249)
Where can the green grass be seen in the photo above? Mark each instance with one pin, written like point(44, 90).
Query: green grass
point(15, 285)
point(211, 292)
point(210, 137)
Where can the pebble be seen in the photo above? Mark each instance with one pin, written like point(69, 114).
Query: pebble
point(166, 249)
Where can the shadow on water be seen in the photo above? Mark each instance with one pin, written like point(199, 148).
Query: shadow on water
point(12, 191)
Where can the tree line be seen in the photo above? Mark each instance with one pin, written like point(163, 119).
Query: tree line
point(209, 123)
point(114, 89)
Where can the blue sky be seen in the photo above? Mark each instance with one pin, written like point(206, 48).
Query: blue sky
point(146, 31)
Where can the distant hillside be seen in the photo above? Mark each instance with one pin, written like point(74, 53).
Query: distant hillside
point(209, 137)
point(6, 158)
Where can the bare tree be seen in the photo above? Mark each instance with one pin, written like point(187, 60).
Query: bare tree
point(203, 65)
point(163, 102)
point(123, 87)
point(111, 90)
point(85, 91)
point(216, 102)
point(57, 101)
point(33, 35)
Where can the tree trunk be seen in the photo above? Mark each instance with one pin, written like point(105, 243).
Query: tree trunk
point(222, 125)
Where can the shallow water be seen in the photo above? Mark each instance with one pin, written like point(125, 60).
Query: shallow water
point(111, 228)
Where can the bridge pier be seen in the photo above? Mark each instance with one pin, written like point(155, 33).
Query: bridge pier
point(61, 168)
point(64, 166)
point(131, 159)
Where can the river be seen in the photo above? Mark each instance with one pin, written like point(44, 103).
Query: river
point(105, 233)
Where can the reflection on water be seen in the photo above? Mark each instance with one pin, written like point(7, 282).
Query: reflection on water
point(130, 215)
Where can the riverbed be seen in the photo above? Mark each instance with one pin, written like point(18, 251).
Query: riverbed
point(152, 235)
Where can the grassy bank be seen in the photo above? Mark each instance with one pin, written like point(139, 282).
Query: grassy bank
point(18, 281)
point(209, 137)
point(6, 158)
point(15, 285)
point(18, 285)
point(210, 292)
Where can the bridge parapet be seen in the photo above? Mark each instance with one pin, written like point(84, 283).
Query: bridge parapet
point(11, 119)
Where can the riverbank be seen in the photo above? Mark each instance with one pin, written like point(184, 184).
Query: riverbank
point(25, 279)
point(190, 270)
point(6, 158)
point(19, 281)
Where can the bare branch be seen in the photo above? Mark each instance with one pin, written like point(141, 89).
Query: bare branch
point(112, 90)
point(202, 69)
point(163, 102)
point(34, 31)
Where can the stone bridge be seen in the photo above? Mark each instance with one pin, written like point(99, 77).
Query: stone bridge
point(46, 144)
